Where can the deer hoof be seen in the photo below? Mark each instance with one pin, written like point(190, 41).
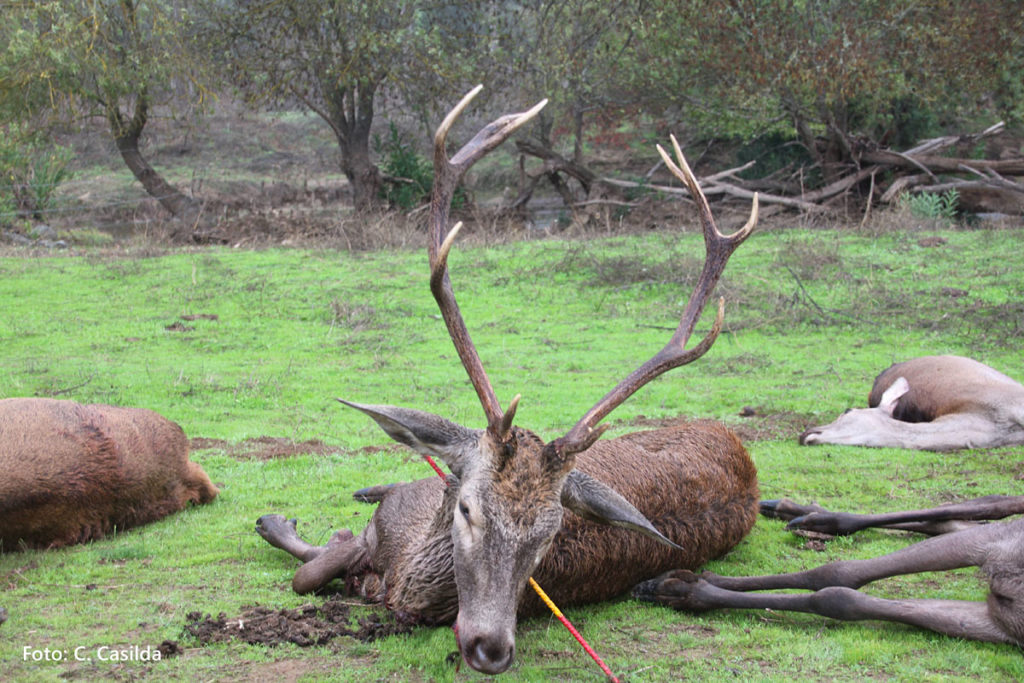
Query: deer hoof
point(785, 509)
point(272, 527)
point(672, 589)
point(819, 523)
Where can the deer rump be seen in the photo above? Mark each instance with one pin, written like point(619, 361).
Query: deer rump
point(71, 473)
point(694, 482)
point(944, 385)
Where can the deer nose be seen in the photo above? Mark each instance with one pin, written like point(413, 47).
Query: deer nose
point(807, 437)
point(489, 654)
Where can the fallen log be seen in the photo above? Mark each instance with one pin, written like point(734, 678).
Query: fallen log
point(936, 164)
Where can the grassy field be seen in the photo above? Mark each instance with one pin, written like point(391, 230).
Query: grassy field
point(248, 349)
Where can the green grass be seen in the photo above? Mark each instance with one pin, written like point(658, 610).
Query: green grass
point(811, 317)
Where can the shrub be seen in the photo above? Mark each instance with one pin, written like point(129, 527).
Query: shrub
point(934, 206)
point(31, 169)
point(410, 175)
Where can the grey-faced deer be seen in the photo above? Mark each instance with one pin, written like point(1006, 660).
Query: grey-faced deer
point(70, 473)
point(515, 505)
point(997, 548)
point(933, 403)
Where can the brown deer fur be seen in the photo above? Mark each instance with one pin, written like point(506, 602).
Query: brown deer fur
point(71, 473)
point(695, 482)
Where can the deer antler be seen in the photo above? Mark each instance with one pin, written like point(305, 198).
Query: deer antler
point(447, 174)
point(718, 249)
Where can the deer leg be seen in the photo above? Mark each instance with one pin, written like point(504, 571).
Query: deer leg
point(682, 590)
point(932, 521)
point(281, 533)
point(373, 494)
point(337, 559)
point(966, 548)
point(343, 553)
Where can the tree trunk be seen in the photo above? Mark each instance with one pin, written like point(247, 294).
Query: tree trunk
point(349, 112)
point(363, 175)
point(126, 136)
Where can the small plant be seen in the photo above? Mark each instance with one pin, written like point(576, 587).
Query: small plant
point(8, 209)
point(410, 175)
point(641, 190)
point(932, 205)
point(31, 169)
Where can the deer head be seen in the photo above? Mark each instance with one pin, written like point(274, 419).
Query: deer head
point(510, 487)
point(863, 426)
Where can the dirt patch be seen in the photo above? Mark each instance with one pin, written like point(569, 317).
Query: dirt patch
point(757, 424)
point(272, 447)
point(305, 626)
point(265, 447)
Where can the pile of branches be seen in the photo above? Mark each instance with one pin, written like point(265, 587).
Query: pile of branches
point(874, 175)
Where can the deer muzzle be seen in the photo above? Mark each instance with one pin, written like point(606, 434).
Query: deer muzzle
point(809, 437)
point(486, 652)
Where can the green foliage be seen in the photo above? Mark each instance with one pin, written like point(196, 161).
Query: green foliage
point(8, 209)
point(906, 121)
point(642, 189)
point(577, 53)
point(772, 152)
point(411, 174)
point(933, 205)
point(31, 170)
point(830, 71)
point(70, 58)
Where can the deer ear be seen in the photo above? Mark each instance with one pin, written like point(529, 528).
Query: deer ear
point(425, 433)
point(598, 502)
point(893, 394)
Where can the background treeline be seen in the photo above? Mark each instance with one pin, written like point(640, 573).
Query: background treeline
point(811, 90)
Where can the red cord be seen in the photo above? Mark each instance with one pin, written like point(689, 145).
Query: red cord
point(572, 629)
point(440, 472)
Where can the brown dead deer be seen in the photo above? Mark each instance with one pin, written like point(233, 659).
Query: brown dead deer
point(70, 473)
point(933, 403)
point(997, 548)
point(464, 551)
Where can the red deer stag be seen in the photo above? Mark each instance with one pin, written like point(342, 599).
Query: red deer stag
point(933, 403)
point(70, 473)
point(464, 552)
point(997, 548)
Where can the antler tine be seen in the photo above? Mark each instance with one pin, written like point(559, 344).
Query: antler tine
point(718, 249)
point(447, 174)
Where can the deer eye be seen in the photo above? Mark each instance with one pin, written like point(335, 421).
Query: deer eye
point(464, 510)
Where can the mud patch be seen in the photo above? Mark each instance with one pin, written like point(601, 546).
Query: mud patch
point(757, 424)
point(304, 626)
point(272, 447)
point(265, 447)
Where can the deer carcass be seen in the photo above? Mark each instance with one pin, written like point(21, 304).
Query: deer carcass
point(71, 473)
point(932, 403)
point(464, 551)
point(998, 548)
